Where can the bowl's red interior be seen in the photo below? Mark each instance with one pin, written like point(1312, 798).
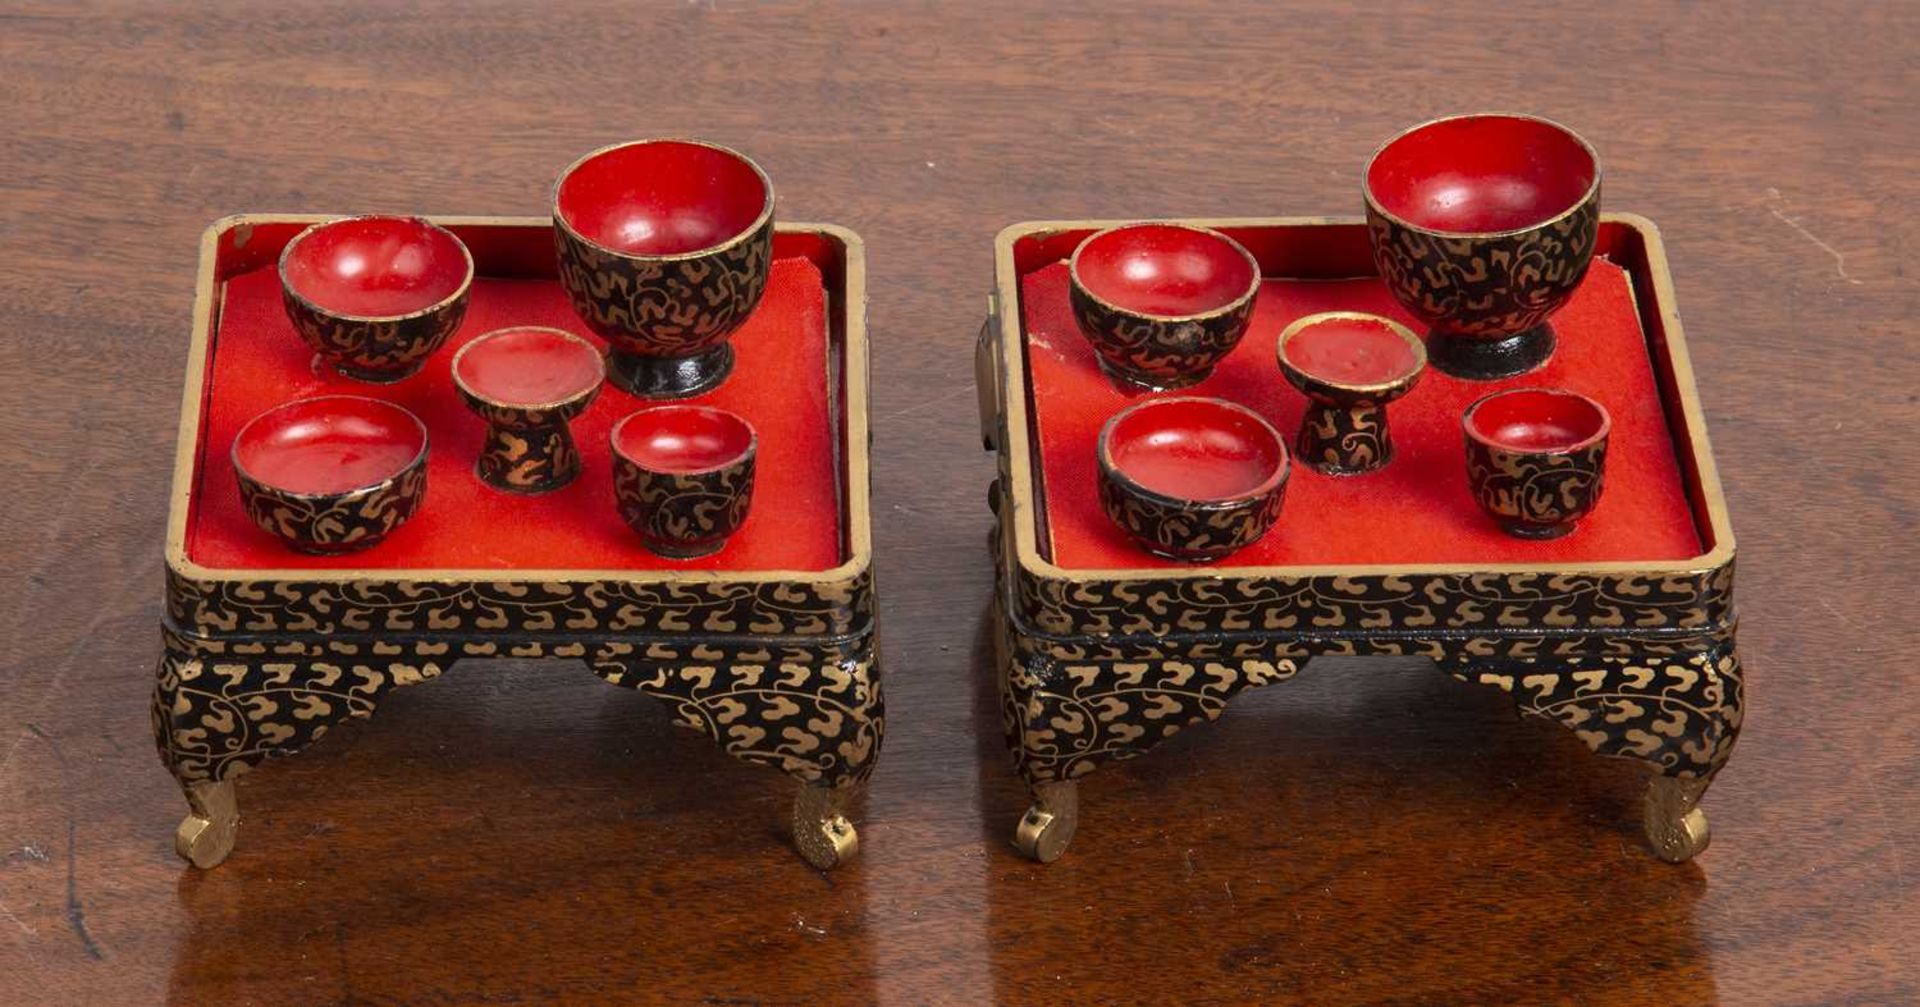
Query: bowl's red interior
point(1194, 449)
point(377, 266)
point(331, 444)
point(1481, 173)
point(780, 383)
point(1417, 510)
point(1351, 351)
point(1155, 269)
point(529, 366)
point(661, 197)
point(682, 438)
point(1537, 419)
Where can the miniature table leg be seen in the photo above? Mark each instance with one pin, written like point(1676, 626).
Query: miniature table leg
point(1677, 714)
point(818, 721)
point(218, 712)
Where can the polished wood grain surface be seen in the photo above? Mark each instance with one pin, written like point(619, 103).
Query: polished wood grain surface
point(1370, 832)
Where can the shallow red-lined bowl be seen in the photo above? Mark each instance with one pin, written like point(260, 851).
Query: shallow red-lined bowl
point(1536, 458)
point(1191, 478)
point(332, 473)
point(375, 295)
point(1482, 226)
point(664, 247)
point(683, 476)
point(1350, 357)
point(1162, 304)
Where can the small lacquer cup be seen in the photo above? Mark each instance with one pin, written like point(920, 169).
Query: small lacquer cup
point(332, 473)
point(528, 383)
point(375, 295)
point(1191, 478)
point(683, 477)
point(664, 248)
point(1482, 227)
point(1536, 458)
point(1162, 304)
point(1350, 365)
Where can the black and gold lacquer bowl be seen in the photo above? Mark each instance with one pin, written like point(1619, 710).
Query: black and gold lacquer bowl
point(332, 473)
point(1482, 227)
point(683, 477)
point(528, 383)
point(376, 295)
point(1191, 478)
point(1350, 365)
point(1162, 304)
point(664, 248)
point(1536, 458)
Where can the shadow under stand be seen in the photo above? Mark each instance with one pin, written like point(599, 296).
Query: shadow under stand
point(776, 666)
point(1101, 665)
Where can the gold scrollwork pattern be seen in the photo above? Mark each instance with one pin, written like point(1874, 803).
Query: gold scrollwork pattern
point(376, 350)
point(1184, 530)
point(1338, 440)
point(1336, 604)
point(338, 522)
point(528, 458)
point(224, 606)
point(221, 707)
point(1486, 286)
point(1536, 489)
point(1159, 353)
point(665, 307)
point(1679, 714)
point(684, 512)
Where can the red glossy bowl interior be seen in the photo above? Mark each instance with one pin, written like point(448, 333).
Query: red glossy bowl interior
point(376, 267)
point(661, 197)
point(1537, 419)
point(1157, 269)
point(1351, 351)
point(683, 439)
point(528, 367)
point(329, 444)
point(1195, 449)
point(1481, 173)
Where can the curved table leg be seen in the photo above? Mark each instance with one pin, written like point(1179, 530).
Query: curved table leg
point(217, 713)
point(819, 721)
point(1677, 714)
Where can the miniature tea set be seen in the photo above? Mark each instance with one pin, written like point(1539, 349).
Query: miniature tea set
point(663, 248)
point(1482, 227)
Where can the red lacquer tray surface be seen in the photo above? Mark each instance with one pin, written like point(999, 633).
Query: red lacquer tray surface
point(780, 383)
point(1417, 510)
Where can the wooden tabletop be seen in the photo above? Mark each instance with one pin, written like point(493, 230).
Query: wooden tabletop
point(1370, 832)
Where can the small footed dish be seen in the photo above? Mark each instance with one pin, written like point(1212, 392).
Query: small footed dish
point(683, 477)
point(1350, 365)
point(1191, 478)
point(1536, 458)
point(1162, 304)
point(375, 295)
point(333, 473)
point(528, 383)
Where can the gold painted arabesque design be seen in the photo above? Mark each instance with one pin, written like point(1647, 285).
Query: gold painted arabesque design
point(1486, 286)
point(340, 522)
point(666, 307)
point(1536, 488)
point(684, 511)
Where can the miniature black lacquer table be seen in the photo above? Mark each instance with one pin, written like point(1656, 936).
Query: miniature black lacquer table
point(265, 650)
point(1622, 632)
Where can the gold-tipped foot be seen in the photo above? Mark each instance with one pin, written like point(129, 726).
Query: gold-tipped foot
point(1049, 824)
point(821, 833)
point(1675, 825)
point(206, 835)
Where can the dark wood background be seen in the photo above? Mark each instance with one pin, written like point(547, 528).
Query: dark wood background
point(1369, 832)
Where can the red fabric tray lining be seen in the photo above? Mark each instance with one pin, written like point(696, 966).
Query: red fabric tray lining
point(1418, 509)
point(779, 384)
